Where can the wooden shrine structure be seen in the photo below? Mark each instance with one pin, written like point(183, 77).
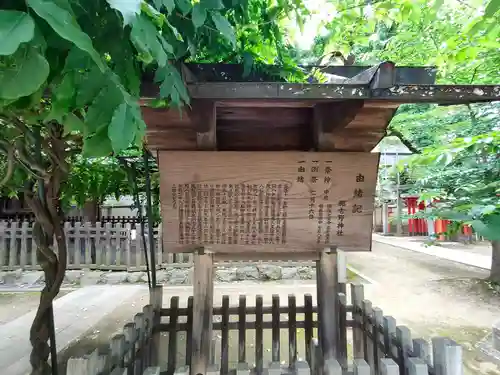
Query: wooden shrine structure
point(262, 170)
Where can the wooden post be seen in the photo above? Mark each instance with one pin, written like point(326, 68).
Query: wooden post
point(326, 268)
point(202, 312)
point(357, 296)
point(156, 300)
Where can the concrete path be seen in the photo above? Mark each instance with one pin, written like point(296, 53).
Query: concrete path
point(469, 257)
point(75, 313)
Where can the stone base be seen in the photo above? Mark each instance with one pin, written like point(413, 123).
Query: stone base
point(167, 276)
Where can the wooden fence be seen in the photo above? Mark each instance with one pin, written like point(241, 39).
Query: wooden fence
point(368, 342)
point(103, 246)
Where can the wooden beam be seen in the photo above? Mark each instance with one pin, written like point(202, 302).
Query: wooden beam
point(203, 117)
point(401, 93)
point(327, 284)
point(331, 117)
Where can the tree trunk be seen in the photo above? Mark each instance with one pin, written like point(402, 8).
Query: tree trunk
point(495, 261)
point(91, 211)
point(48, 233)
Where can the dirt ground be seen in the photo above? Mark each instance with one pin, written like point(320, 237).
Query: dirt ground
point(431, 296)
point(15, 304)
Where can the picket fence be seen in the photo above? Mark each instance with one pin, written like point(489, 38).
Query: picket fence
point(116, 246)
point(369, 343)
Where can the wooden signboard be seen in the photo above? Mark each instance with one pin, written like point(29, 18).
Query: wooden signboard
point(236, 202)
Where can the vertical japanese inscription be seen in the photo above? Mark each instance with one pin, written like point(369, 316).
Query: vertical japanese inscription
point(231, 214)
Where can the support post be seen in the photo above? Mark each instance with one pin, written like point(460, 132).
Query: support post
point(156, 300)
point(149, 214)
point(203, 289)
point(327, 280)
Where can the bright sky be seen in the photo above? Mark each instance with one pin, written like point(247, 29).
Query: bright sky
point(322, 10)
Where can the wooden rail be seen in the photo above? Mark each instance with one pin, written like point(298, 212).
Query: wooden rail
point(368, 342)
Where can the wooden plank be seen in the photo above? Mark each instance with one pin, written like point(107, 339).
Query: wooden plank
point(13, 245)
point(294, 201)
point(326, 270)
point(225, 335)
point(24, 245)
point(156, 300)
point(269, 257)
point(259, 334)
point(117, 347)
point(152, 371)
point(140, 323)
point(389, 336)
point(189, 330)
point(402, 93)
point(275, 331)
point(172, 335)
point(292, 329)
point(378, 339)
point(202, 312)
point(204, 120)
point(403, 335)
point(342, 331)
point(308, 325)
point(361, 367)
point(368, 344)
point(130, 333)
point(422, 350)
point(388, 367)
point(416, 366)
point(357, 296)
point(128, 240)
point(241, 329)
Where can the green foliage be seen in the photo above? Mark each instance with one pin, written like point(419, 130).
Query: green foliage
point(63, 48)
point(460, 41)
point(465, 176)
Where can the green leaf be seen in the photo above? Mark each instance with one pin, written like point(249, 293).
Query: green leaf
point(488, 228)
point(492, 7)
point(198, 16)
point(72, 123)
point(128, 8)
point(211, 4)
point(169, 5)
point(15, 28)
point(121, 130)
point(97, 145)
point(145, 37)
point(66, 26)
point(23, 74)
point(224, 27)
point(101, 111)
point(184, 6)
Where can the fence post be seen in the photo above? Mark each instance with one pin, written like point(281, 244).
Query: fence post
point(368, 343)
point(13, 245)
point(378, 340)
point(447, 355)
point(421, 350)
point(416, 366)
point(23, 259)
point(3, 245)
point(357, 296)
point(202, 312)
point(388, 367)
point(389, 336)
point(326, 268)
point(156, 300)
point(403, 336)
point(342, 344)
point(128, 232)
point(108, 227)
point(361, 367)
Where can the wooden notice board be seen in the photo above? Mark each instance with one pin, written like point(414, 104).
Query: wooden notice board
point(267, 201)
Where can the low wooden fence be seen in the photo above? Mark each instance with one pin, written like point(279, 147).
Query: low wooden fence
point(102, 246)
point(368, 342)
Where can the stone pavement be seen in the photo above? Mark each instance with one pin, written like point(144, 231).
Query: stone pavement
point(472, 255)
point(74, 313)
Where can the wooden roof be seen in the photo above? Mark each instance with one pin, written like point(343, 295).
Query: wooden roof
point(229, 112)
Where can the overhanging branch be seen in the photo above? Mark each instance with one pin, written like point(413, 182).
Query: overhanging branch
point(401, 137)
